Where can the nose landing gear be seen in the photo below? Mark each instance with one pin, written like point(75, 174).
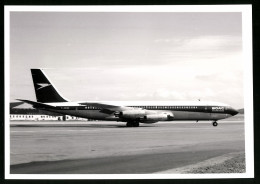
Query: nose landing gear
point(215, 123)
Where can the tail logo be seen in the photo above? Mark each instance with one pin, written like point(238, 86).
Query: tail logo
point(42, 85)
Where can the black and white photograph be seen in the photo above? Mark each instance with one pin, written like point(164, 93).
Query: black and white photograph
point(128, 92)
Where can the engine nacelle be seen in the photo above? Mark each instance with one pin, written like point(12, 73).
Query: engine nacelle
point(158, 117)
point(130, 114)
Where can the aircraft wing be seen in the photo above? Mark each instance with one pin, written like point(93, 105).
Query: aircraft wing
point(107, 107)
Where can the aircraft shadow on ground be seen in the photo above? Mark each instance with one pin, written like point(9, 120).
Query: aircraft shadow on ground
point(85, 126)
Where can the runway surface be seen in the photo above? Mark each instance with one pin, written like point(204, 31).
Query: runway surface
point(112, 148)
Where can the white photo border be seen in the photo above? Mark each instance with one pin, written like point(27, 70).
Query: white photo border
point(246, 11)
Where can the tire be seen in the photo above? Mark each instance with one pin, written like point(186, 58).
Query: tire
point(215, 123)
point(136, 124)
point(132, 124)
point(129, 124)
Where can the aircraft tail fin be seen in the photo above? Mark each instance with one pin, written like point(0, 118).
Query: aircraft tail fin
point(44, 89)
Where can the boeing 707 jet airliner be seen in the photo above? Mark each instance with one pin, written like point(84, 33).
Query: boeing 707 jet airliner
point(133, 113)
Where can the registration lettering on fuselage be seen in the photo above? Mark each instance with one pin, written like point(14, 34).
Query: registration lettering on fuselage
point(217, 109)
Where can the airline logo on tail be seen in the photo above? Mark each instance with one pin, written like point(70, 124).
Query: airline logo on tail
point(42, 85)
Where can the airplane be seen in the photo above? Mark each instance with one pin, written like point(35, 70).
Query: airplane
point(133, 113)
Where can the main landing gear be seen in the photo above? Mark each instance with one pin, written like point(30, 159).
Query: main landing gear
point(215, 123)
point(132, 124)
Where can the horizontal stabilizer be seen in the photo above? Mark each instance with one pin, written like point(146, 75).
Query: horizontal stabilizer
point(36, 104)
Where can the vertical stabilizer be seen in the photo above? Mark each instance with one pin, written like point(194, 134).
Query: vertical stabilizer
point(44, 89)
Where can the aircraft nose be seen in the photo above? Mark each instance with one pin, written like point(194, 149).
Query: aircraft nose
point(233, 112)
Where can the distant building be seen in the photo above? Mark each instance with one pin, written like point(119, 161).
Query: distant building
point(241, 111)
point(33, 117)
point(29, 114)
point(42, 117)
point(14, 104)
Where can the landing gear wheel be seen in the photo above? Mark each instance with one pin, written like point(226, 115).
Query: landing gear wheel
point(215, 123)
point(129, 124)
point(136, 124)
point(132, 124)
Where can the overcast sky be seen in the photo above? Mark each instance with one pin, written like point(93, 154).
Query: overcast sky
point(129, 56)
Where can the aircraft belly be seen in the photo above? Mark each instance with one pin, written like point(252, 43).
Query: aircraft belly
point(185, 115)
point(217, 116)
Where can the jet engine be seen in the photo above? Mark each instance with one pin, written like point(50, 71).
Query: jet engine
point(130, 114)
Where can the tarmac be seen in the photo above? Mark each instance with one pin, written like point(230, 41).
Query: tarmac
point(111, 148)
